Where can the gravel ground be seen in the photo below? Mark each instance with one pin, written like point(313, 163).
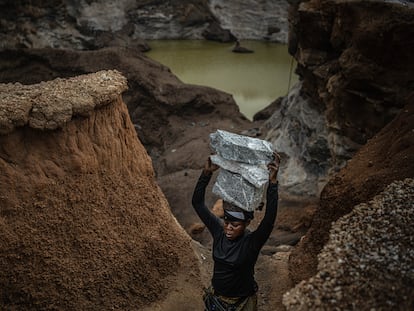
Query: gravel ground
point(368, 263)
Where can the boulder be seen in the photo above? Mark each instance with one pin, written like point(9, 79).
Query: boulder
point(243, 173)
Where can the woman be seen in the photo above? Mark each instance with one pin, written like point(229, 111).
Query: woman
point(235, 249)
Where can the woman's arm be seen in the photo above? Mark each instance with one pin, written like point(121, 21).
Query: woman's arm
point(265, 228)
point(208, 218)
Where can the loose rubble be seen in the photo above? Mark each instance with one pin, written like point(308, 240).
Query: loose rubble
point(368, 263)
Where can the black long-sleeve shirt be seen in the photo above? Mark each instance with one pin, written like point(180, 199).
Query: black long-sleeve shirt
point(234, 260)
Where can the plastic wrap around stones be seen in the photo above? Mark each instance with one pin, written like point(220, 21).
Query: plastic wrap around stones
point(243, 174)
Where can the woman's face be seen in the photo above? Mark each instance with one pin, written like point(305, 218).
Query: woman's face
point(234, 229)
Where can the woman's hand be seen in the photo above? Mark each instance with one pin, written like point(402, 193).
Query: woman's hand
point(274, 168)
point(210, 167)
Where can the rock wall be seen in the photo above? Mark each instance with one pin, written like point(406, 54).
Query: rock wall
point(356, 70)
point(83, 24)
point(96, 24)
point(387, 157)
point(353, 57)
point(252, 19)
point(298, 131)
point(83, 223)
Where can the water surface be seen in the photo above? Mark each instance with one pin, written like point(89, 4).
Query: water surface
point(254, 80)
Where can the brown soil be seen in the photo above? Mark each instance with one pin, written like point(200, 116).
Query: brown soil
point(82, 220)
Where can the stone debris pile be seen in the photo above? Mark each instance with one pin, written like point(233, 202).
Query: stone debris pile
point(368, 263)
point(243, 173)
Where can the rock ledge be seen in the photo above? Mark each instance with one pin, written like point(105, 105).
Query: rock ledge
point(49, 105)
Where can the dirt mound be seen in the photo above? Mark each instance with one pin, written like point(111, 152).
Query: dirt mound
point(387, 157)
point(83, 223)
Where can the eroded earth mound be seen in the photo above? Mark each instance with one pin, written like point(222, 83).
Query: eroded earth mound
point(173, 120)
point(83, 222)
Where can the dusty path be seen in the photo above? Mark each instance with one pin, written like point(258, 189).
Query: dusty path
point(272, 275)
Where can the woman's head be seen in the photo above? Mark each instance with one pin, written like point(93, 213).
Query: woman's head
point(235, 220)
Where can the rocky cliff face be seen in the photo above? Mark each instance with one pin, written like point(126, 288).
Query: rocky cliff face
point(355, 60)
point(251, 19)
point(83, 222)
point(83, 24)
point(387, 157)
point(298, 131)
point(356, 69)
